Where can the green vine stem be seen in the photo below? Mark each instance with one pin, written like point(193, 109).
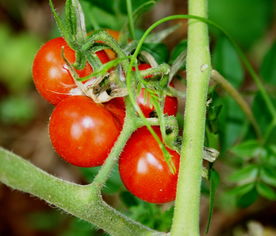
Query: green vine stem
point(186, 214)
point(130, 125)
point(72, 198)
point(218, 78)
point(130, 18)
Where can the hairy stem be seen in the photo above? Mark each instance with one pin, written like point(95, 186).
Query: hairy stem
point(72, 198)
point(217, 77)
point(186, 215)
point(111, 161)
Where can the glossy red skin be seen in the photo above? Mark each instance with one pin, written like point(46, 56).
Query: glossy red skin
point(117, 107)
point(50, 72)
point(144, 171)
point(143, 100)
point(82, 132)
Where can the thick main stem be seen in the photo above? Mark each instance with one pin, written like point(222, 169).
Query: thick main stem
point(81, 201)
point(186, 216)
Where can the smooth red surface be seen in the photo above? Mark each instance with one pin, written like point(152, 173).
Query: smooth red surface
point(144, 171)
point(50, 72)
point(83, 132)
point(117, 107)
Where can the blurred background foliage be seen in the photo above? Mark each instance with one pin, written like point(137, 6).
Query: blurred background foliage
point(247, 169)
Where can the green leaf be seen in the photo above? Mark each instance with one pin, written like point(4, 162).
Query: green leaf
point(227, 62)
point(268, 66)
point(80, 228)
point(17, 110)
point(261, 112)
point(177, 50)
point(242, 189)
point(17, 54)
point(245, 175)
point(117, 6)
point(245, 20)
point(159, 51)
point(247, 199)
point(214, 182)
point(157, 37)
point(46, 220)
point(152, 215)
point(232, 123)
point(128, 199)
point(249, 148)
point(266, 191)
point(112, 185)
point(268, 175)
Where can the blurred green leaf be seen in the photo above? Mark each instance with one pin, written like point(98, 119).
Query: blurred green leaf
point(245, 20)
point(17, 110)
point(268, 66)
point(268, 175)
point(113, 6)
point(226, 61)
point(232, 123)
point(159, 51)
point(17, 54)
point(112, 185)
point(45, 220)
point(242, 189)
point(262, 114)
point(266, 191)
point(80, 228)
point(245, 174)
point(248, 148)
point(128, 199)
point(247, 199)
point(152, 215)
point(177, 50)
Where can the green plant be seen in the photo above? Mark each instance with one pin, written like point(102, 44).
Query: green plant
point(117, 78)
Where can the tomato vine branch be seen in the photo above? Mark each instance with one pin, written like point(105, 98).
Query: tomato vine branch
point(79, 200)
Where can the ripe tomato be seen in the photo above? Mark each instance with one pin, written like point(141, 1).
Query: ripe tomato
point(83, 132)
point(50, 72)
point(144, 171)
point(117, 107)
point(143, 100)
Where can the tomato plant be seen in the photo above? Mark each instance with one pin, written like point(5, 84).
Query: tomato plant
point(83, 132)
point(50, 72)
point(99, 125)
point(143, 99)
point(143, 168)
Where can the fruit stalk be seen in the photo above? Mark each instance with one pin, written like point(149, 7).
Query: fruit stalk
point(186, 216)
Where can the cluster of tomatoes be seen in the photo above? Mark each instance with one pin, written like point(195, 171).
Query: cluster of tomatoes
point(83, 132)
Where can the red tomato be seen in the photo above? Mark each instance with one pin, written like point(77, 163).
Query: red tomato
point(144, 171)
point(117, 107)
point(83, 132)
point(143, 100)
point(50, 72)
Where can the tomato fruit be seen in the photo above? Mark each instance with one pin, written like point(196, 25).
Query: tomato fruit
point(82, 131)
point(117, 107)
point(144, 171)
point(143, 100)
point(50, 72)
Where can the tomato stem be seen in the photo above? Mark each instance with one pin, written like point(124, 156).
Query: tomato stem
point(186, 214)
point(129, 127)
point(81, 201)
point(130, 18)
